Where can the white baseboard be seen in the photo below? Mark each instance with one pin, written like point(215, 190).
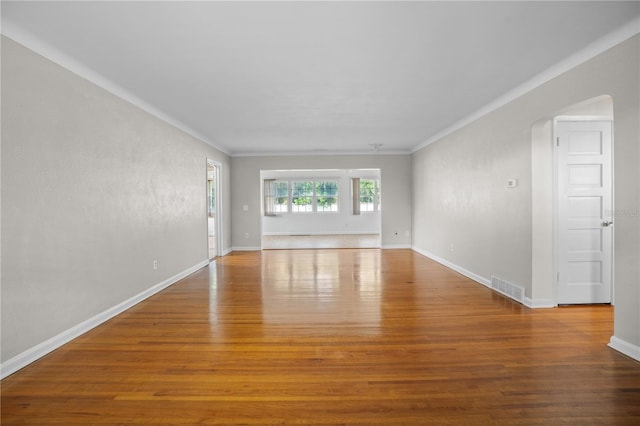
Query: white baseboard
point(30, 355)
point(539, 303)
point(629, 349)
point(226, 252)
point(475, 277)
point(528, 302)
point(319, 234)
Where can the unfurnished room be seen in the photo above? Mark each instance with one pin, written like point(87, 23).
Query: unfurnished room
point(320, 212)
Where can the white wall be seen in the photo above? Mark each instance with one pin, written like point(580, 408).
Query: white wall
point(395, 176)
point(464, 213)
point(93, 190)
point(323, 223)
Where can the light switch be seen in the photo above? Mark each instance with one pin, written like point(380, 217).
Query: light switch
point(512, 183)
point(245, 208)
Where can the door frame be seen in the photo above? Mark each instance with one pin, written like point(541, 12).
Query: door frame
point(218, 189)
point(556, 195)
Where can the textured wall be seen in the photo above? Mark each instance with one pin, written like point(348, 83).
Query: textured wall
point(459, 182)
point(395, 181)
point(93, 191)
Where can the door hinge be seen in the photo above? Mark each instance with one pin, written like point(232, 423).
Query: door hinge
point(558, 141)
point(558, 277)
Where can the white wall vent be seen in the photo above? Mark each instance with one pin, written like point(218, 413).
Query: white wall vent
point(512, 291)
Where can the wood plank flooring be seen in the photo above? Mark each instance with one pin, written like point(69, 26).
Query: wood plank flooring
point(374, 337)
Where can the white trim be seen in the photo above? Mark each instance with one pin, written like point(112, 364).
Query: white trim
point(56, 56)
point(528, 302)
point(313, 153)
point(594, 49)
point(226, 252)
point(475, 277)
point(564, 118)
point(622, 346)
point(539, 303)
point(219, 206)
point(599, 46)
point(554, 204)
point(30, 355)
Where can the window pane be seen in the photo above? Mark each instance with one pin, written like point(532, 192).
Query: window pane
point(326, 188)
point(367, 195)
point(276, 197)
point(327, 195)
point(301, 196)
point(301, 205)
point(302, 189)
point(281, 197)
point(327, 204)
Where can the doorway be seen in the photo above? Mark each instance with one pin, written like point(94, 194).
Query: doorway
point(584, 210)
point(214, 241)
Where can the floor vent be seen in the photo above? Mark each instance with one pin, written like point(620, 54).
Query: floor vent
point(512, 291)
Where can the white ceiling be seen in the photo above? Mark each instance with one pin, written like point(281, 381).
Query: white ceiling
point(315, 77)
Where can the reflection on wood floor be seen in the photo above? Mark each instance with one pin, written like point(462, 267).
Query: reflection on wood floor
point(332, 337)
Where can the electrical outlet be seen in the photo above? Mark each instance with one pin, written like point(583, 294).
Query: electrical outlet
point(246, 235)
point(155, 264)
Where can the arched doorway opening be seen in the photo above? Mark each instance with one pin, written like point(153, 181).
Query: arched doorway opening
point(544, 195)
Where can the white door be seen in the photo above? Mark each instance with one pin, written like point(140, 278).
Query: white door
point(584, 211)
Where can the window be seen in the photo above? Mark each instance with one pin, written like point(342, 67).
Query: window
point(281, 199)
point(369, 195)
point(302, 196)
point(276, 197)
point(326, 196)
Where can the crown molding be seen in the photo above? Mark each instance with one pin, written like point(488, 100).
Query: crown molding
point(44, 49)
point(56, 56)
point(41, 47)
point(601, 45)
point(318, 153)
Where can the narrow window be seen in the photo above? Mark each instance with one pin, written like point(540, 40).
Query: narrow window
point(369, 195)
point(276, 197)
point(281, 199)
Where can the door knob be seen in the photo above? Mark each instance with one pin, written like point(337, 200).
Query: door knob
point(607, 223)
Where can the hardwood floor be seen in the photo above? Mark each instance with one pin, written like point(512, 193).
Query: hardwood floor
point(332, 337)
